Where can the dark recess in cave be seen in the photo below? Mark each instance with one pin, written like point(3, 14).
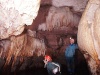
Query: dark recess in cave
point(80, 64)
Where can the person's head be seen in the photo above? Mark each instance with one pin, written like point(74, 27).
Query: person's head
point(72, 40)
point(47, 58)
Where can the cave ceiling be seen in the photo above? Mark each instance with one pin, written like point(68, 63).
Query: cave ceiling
point(13, 18)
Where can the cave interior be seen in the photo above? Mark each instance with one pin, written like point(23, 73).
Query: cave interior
point(22, 51)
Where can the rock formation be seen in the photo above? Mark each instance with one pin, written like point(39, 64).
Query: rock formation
point(28, 32)
point(88, 31)
point(15, 14)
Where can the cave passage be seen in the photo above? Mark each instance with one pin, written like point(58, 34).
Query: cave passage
point(81, 68)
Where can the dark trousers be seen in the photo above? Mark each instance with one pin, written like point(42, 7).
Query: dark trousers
point(70, 64)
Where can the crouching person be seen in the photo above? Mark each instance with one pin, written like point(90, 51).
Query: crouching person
point(52, 67)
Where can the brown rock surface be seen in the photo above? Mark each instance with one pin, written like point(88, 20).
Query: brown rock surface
point(88, 31)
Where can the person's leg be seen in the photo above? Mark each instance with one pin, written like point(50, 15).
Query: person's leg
point(69, 64)
point(49, 72)
point(58, 73)
point(72, 65)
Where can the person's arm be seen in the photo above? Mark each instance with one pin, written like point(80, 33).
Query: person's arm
point(76, 46)
point(45, 63)
point(66, 51)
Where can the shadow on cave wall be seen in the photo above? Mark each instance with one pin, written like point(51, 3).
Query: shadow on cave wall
point(80, 63)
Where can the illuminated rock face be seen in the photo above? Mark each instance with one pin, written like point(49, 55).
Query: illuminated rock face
point(14, 14)
point(50, 31)
point(77, 5)
point(89, 32)
point(38, 41)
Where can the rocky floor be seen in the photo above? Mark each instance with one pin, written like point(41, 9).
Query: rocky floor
point(80, 70)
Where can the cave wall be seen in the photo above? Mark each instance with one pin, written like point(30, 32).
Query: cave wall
point(48, 34)
point(88, 31)
point(15, 14)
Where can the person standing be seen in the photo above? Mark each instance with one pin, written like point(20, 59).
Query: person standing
point(69, 55)
point(53, 68)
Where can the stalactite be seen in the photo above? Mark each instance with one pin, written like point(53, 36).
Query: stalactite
point(63, 16)
point(42, 27)
point(24, 46)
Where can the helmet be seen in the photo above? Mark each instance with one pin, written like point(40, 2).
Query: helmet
point(47, 58)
